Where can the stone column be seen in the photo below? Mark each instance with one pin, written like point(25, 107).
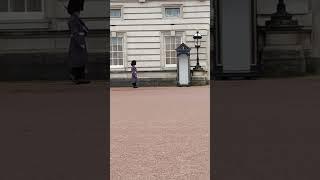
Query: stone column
point(50, 12)
point(316, 29)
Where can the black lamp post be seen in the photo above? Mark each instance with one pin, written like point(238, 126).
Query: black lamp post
point(197, 42)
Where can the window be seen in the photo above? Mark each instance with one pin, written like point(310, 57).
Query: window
point(20, 5)
point(117, 50)
point(172, 12)
point(21, 9)
point(4, 6)
point(115, 13)
point(171, 42)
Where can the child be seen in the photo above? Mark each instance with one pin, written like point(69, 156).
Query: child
point(134, 77)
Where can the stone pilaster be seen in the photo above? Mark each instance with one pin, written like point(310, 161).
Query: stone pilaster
point(316, 28)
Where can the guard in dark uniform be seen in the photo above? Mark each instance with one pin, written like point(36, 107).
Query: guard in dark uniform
point(78, 55)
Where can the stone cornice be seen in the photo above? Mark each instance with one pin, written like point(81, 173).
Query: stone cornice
point(46, 33)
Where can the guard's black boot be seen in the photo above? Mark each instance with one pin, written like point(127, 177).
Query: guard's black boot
point(74, 79)
point(84, 81)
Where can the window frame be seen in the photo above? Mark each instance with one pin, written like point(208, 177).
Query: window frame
point(123, 35)
point(117, 8)
point(173, 6)
point(26, 15)
point(164, 56)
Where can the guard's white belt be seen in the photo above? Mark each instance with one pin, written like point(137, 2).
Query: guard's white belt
point(80, 34)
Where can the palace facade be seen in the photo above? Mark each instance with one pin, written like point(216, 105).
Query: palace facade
point(149, 31)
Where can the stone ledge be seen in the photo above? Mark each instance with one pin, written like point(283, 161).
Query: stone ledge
point(155, 82)
point(313, 65)
point(199, 81)
point(47, 66)
point(145, 82)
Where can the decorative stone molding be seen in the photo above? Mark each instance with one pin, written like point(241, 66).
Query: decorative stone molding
point(281, 18)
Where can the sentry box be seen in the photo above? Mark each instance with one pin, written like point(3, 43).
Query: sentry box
point(183, 65)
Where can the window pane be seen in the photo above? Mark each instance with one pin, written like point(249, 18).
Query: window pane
point(34, 5)
point(172, 12)
point(167, 46)
point(3, 5)
point(114, 55)
point(119, 40)
point(173, 41)
point(114, 48)
point(120, 59)
point(115, 13)
point(167, 60)
point(174, 61)
point(167, 40)
point(167, 54)
point(113, 40)
point(119, 47)
point(173, 54)
point(17, 5)
point(178, 40)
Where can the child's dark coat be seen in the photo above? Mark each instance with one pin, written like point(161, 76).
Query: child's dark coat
point(134, 76)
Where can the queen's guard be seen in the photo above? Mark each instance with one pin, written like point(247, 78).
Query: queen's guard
point(78, 55)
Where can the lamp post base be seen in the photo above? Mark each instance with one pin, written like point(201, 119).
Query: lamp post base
point(199, 76)
point(197, 68)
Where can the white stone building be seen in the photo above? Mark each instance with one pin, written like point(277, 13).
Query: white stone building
point(148, 31)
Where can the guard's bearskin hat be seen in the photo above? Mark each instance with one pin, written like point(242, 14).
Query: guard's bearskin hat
point(75, 5)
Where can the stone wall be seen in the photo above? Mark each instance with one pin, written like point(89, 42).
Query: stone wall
point(143, 26)
point(37, 49)
point(46, 66)
point(315, 61)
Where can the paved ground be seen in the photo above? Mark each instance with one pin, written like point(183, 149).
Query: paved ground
point(266, 129)
point(53, 130)
point(262, 129)
point(160, 133)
